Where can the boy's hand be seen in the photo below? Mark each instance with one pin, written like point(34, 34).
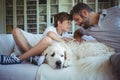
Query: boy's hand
point(67, 39)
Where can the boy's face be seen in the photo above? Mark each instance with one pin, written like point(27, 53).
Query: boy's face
point(65, 25)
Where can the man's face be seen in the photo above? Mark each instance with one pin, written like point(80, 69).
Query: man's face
point(81, 21)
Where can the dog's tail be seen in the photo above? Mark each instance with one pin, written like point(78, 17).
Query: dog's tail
point(96, 67)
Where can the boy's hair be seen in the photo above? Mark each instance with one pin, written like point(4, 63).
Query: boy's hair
point(62, 16)
point(78, 8)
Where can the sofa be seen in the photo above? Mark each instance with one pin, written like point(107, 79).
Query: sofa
point(28, 71)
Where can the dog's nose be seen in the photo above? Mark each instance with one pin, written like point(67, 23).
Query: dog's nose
point(58, 63)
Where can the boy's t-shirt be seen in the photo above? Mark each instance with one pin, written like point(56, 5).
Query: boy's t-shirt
point(33, 39)
point(53, 29)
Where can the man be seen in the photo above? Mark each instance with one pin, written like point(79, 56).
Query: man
point(104, 27)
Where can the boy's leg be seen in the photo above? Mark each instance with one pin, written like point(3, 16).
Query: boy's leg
point(20, 40)
point(25, 41)
point(22, 43)
point(36, 50)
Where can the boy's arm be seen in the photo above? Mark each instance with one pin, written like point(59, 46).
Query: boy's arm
point(55, 37)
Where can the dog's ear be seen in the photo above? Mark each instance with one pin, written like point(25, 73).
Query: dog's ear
point(65, 55)
point(45, 61)
point(45, 54)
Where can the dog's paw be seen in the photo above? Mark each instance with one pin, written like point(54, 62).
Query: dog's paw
point(67, 64)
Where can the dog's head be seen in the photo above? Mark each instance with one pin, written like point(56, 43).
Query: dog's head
point(55, 55)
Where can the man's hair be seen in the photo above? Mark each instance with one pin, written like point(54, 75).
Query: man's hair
point(78, 8)
point(62, 16)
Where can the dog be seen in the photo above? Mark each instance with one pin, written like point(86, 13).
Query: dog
point(89, 59)
point(55, 55)
point(61, 55)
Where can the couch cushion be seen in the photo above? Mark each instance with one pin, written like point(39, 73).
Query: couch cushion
point(18, 72)
point(6, 44)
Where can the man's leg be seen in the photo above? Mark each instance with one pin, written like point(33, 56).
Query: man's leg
point(20, 40)
point(115, 61)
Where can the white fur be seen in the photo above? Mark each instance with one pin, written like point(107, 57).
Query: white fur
point(58, 51)
point(90, 58)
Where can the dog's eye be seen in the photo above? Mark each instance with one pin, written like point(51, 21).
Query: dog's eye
point(62, 55)
point(53, 54)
